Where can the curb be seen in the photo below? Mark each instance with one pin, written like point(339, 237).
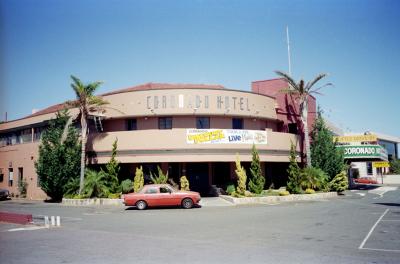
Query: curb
point(277, 199)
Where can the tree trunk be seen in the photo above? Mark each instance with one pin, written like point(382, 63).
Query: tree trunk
point(304, 119)
point(83, 150)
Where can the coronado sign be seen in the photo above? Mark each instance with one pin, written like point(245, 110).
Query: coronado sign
point(364, 151)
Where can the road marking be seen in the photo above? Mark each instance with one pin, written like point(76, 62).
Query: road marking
point(26, 228)
point(382, 190)
point(381, 249)
point(372, 230)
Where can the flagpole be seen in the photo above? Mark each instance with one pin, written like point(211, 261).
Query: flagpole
point(288, 50)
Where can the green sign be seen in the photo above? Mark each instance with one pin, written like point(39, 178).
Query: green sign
point(364, 151)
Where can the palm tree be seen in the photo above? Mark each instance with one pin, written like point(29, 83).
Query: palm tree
point(302, 91)
point(87, 102)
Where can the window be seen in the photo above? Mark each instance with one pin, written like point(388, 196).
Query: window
point(37, 133)
point(165, 123)
point(369, 168)
point(237, 123)
point(151, 191)
point(20, 174)
point(165, 190)
point(292, 127)
point(131, 124)
point(10, 177)
point(202, 122)
point(1, 175)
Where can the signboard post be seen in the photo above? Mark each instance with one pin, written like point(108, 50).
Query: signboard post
point(380, 164)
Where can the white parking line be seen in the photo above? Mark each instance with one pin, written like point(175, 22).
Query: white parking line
point(385, 250)
point(372, 230)
point(26, 228)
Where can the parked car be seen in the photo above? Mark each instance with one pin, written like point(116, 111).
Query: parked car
point(161, 195)
point(366, 180)
point(4, 194)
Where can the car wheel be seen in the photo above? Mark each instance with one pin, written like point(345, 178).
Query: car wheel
point(141, 205)
point(187, 203)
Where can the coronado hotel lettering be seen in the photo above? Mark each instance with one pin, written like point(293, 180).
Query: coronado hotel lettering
point(197, 101)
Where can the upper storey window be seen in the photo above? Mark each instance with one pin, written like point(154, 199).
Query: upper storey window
point(292, 127)
point(165, 123)
point(202, 122)
point(131, 124)
point(237, 123)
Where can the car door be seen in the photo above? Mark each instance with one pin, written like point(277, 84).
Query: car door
point(166, 196)
point(151, 196)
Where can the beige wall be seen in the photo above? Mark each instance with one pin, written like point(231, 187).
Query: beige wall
point(170, 145)
point(190, 101)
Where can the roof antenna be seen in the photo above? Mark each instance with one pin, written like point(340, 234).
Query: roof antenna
point(288, 50)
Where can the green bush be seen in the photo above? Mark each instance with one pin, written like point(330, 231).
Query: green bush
point(161, 178)
point(230, 189)
point(309, 191)
point(294, 179)
point(339, 183)
point(283, 193)
point(95, 184)
point(241, 178)
point(395, 166)
point(257, 180)
point(270, 192)
point(126, 186)
point(23, 187)
point(313, 178)
point(138, 181)
point(114, 195)
point(184, 184)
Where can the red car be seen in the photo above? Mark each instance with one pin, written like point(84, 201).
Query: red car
point(161, 195)
point(366, 180)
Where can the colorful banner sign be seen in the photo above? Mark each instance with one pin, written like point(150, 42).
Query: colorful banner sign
point(356, 138)
point(364, 151)
point(380, 164)
point(225, 136)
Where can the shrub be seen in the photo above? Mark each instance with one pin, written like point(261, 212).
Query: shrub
point(114, 195)
point(313, 178)
point(309, 191)
point(184, 184)
point(173, 183)
point(257, 180)
point(294, 180)
point(241, 177)
point(138, 181)
point(324, 153)
point(283, 193)
point(71, 188)
point(59, 160)
point(22, 187)
point(95, 184)
point(270, 192)
point(230, 189)
point(112, 170)
point(161, 178)
point(126, 186)
point(340, 182)
point(395, 166)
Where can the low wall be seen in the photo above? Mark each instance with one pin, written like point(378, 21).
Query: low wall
point(94, 201)
point(22, 219)
point(277, 199)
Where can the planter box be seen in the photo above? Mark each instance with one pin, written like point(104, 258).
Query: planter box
point(277, 199)
point(94, 201)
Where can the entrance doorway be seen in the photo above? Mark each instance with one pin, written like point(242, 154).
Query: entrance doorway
point(197, 174)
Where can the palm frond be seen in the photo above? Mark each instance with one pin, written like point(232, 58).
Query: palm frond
point(316, 79)
point(96, 100)
point(91, 87)
point(288, 78)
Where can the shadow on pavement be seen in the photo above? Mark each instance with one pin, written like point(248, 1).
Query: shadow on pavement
point(389, 204)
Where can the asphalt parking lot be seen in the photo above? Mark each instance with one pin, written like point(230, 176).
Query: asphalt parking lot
point(361, 227)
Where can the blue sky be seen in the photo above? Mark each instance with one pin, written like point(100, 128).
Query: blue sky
point(125, 43)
